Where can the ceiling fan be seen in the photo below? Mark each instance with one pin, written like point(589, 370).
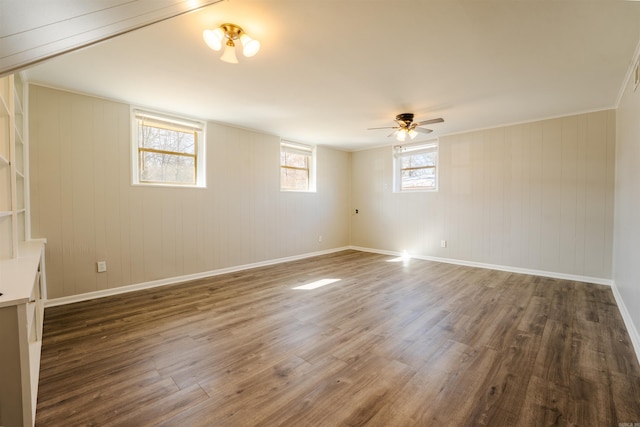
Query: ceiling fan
point(406, 126)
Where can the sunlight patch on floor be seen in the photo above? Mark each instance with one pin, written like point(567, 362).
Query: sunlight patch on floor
point(404, 259)
point(317, 284)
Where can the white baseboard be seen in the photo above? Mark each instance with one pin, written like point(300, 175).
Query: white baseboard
point(628, 321)
point(180, 279)
point(577, 278)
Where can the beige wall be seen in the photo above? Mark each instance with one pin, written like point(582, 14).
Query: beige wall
point(532, 196)
point(626, 258)
point(535, 196)
point(83, 203)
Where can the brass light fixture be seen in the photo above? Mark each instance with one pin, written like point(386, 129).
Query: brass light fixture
point(231, 33)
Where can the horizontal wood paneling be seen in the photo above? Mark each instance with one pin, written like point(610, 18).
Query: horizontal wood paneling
point(85, 206)
point(537, 196)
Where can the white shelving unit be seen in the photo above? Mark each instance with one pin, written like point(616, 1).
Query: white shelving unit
point(22, 278)
point(13, 166)
point(6, 170)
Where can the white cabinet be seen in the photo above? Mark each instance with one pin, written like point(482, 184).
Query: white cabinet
point(22, 283)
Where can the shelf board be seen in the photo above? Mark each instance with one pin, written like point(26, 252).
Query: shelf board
point(19, 174)
point(5, 214)
point(4, 160)
point(21, 211)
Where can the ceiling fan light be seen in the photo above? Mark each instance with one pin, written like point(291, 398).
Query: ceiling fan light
point(229, 54)
point(413, 133)
point(402, 135)
point(213, 38)
point(250, 46)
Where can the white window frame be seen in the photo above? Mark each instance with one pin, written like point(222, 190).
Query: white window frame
point(197, 126)
point(297, 148)
point(401, 151)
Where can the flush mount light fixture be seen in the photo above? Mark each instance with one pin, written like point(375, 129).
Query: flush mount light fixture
point(228, 34)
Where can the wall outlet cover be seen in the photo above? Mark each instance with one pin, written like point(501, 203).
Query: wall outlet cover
point(102, 266)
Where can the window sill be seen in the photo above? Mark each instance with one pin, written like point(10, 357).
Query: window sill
point(163, 185)
point(297, 191)
point(425, 190)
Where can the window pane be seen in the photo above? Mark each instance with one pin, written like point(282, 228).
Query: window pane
point(418, 160)
point(166, 139)
point(418, 178)
point(167, 150)
point(158, 167)
point(294, 179)
point(294, 159)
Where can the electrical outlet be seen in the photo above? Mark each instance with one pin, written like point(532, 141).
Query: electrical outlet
point(357, 210)
point(102, 266)
point(443, 243)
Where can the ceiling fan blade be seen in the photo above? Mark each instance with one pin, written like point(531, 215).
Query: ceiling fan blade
point(423, 130)
point(430, 122)
point(386, 127)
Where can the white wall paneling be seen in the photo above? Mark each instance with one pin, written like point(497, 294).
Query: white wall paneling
point(535, 196)
point(626, 270)
point(85, 205)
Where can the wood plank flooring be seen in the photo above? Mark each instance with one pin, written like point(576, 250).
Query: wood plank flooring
point(389, 344)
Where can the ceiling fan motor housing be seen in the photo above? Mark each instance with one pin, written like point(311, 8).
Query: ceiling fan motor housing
point(406, 118)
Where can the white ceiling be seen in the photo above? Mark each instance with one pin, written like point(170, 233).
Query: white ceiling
point(330, 69)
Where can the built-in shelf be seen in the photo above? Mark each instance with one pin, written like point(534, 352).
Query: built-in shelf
point(14, 182)
point(22, 278)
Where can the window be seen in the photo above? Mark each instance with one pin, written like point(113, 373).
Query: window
point(297, 167)
point(415, 166)
point(167, 150)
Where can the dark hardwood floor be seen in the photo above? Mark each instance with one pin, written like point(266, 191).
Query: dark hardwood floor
point(423, 344)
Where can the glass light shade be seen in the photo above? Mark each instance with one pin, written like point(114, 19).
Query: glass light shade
point(250, 46)
point(413, 133)
point(213, 38)
point(229, 54)
point(402, 135)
